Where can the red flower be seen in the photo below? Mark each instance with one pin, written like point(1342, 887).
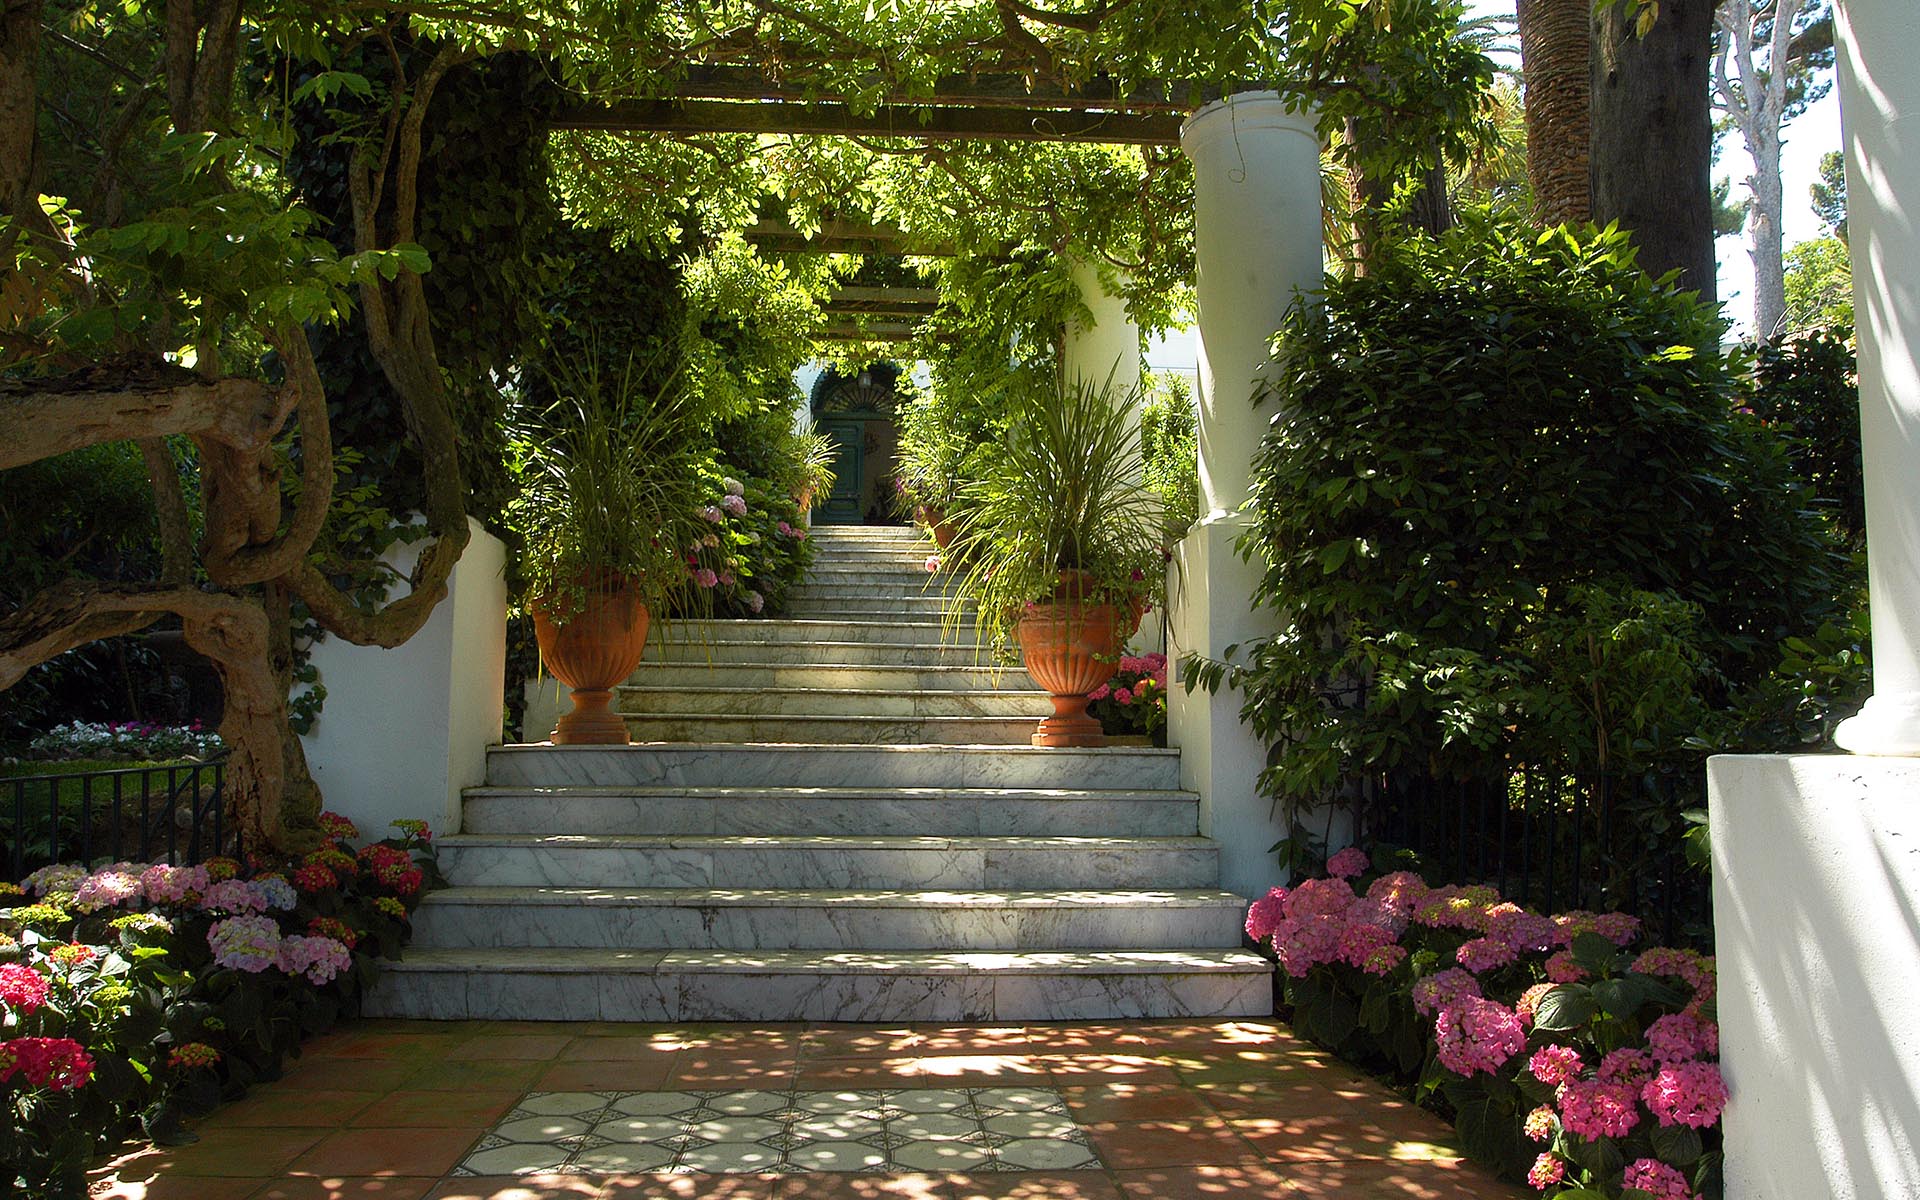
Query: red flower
point(22, 989)
point(315, 878)
point(57, 1063)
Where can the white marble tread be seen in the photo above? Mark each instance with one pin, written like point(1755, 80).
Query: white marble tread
point(520, 897)
point(569, 960)
point(900, 730)
point(834, 765)
point(855, 795)
point(532, 841)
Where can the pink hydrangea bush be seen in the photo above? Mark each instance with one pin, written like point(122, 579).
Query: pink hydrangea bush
point(136, 991)
point(1569, 1056)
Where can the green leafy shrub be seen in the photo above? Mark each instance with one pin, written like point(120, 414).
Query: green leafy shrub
point(1807, 388)
point(1514, 513)
point(1170, 449)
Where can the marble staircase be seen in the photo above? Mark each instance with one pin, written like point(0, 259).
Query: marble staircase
point(835, 816)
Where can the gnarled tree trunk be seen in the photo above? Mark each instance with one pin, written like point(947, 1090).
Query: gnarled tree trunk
point(1651, 141)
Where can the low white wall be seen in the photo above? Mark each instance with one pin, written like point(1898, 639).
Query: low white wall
point(1816, 913)
point(547, 699)
point(1219, 757)
point(403, 731)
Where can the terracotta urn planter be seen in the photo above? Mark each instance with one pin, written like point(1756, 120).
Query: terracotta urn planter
point(594, 652)
point(1071, 647)
point(936, 523)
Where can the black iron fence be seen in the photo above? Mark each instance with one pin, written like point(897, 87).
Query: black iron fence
point(1556, 841)
point(170, 813)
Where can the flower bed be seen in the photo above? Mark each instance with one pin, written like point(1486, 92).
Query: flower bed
point(134, 995)
point(1564, 1056)
point(1134, 701)
point(124, 739)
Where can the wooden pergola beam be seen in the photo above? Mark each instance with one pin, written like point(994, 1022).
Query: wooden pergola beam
point(870, 331)
point(842, 237)
point(834, 119)
point(954, 91)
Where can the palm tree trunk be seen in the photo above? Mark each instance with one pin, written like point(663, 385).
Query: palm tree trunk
point(1555, 48)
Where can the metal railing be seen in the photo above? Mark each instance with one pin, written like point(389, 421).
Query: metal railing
point(1555, 840)
point(171, 813)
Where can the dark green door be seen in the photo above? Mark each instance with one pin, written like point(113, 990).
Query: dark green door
point(843, 503)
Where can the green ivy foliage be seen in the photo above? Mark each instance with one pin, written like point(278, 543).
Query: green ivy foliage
point(1514, 512)
point(1170, 449)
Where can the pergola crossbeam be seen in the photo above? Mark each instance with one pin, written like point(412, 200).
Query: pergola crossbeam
point(903, 121)
point(954, 91)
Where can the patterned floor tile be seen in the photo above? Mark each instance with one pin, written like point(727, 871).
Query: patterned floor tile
point(768, 1132)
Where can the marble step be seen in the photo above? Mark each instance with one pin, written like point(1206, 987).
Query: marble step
point(813, 985)
point(835, 766)
point(769, 811)
point(838, 861)
point(892, 589)
point(688, 693)
point(789, 729)
point(931, 652)
point(835, 675)
point(690, 641)
point(905, 570)
point(962, 630)
point(803, 919)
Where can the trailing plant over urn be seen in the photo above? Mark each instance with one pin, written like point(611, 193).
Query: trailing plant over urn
point(1059, 543)
point(609, 512)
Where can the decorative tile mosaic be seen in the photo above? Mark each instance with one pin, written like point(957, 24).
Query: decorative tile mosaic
point(787, 1132)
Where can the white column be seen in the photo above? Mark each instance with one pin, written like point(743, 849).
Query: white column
point(1880, 112)
point(1108, 345)
point(404, 731)
point(1814, 882)
point(1257, 234)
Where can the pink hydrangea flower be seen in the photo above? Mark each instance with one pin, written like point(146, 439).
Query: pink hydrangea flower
point(1627, 1065)
point(1555, 1065)
point(1101, 692)
point(1540, 1124)
point(1594, 1109)
point(726, 577)
point(1383, 959)
point(1484, 954)
point(1349, 862)
point(1124, 696)
point(1321, 897)
point(1397, 895)
point(22, 988)
point(107, 888)
point(1618, 928)
point(232, 896)
point(317, 958)
point(1562, 969)
point(1476, 1034)
point(1265, 913)
point(737, 505)
point(57, 1064)
point(173, 885)
point(1689, 1093)
point(933, 563)
point(250, 944)
point(1437, 991)
point(755, 601)
point(1547, 1170)
point(705, 577)
point(712, 513)
point(1530, 1000)
point(1358, 941)
point(1678, 1037)
point(1304, 942)
point(1657, 1179)
point(1520, 929)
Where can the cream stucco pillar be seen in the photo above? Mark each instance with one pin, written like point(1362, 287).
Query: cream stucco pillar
point(1108, 345)
point(1257, 233)
point(1880, 113)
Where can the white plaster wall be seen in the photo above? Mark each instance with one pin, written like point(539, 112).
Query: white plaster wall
point(404, 730)
point(1816, 899)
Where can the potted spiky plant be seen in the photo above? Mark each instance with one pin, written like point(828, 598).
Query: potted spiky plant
point(1059, 545)
point(608, 505)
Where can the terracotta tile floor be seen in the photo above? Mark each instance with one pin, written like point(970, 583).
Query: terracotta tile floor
point(388, 1110)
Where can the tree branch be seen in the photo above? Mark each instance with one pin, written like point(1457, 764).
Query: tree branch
point(130, 398)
